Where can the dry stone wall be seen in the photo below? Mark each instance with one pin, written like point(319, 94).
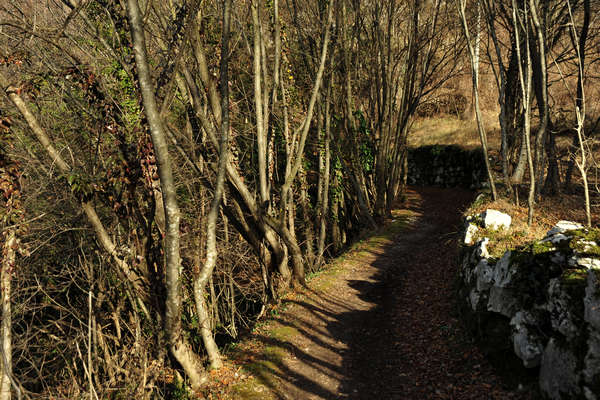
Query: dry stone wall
point(446, 166)
point(541, 302)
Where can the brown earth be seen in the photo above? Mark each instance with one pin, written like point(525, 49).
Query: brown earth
point(381, 324)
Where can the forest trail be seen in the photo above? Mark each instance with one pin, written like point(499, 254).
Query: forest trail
point(382, 325)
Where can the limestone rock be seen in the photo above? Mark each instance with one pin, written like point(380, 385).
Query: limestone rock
point(591, 369)
point(527, 344)
point(584, 262)
point(503, 301)
point(503, 274)
point(550, 292)
point(502, 296)
point(563, 226)
point(591, 301)
point(560, 305)
point(495, 219)
point(481, 250)
point(555, 238)
point(470, 233)
point(476, 300)
point(484, 274)
point(559, 379)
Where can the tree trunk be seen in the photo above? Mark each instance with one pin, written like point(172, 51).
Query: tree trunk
point(261, 131)
point(525, 78)
point(474, 55)
point(179, 345)
point(309, 234)
point(8, 265)
point(324, 166)
point(213, 213)
point(540, 80)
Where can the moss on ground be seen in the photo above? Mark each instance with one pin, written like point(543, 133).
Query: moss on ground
point(591, 234)
point(283, 332)
point(585, 241)
point(251, 389)
point(540, 248)
point(264, 371)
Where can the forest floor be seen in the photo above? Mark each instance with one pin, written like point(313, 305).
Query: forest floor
point(380, 323)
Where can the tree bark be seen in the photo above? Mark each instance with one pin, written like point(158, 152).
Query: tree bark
point(8, 265)
point(502, 88)
point(540, 80)
point(324, 167)
point(178, 343)
point(261, 132)
point(474, 55)
point(211, 219)
point(525, 78)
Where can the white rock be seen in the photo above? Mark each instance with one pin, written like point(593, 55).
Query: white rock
point(526, 344)
point(469, 233)
point(589, 395)
point(588, 262)
point(474, 298)
point(587, 244)
point(495, 219)
point(481, 249)
point(563, 226)
point(584, 262)
point(555, 238)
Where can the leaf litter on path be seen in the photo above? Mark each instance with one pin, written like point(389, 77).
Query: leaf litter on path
point(380, 325)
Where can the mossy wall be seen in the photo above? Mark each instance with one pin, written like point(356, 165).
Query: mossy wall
point(446, 166)
point(540, 304)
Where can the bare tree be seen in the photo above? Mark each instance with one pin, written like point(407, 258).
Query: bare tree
point(500, 74)
point(474, 57)
point(525, 78)
point(579, 45)
point(178, 343)
point(11, 217)
point(211, 223)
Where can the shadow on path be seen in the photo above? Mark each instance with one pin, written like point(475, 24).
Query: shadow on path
point(382, 328)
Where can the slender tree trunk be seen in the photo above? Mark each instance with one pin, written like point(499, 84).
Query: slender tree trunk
point(474, 55)
point(261, 132)
point(179, 345)
point(541, 85)
point(213, 213)
point(336, 234)
point(580, 111)
point(525, 78)
point(309, 234)
point(579, 44)
point(8, 265)
point(324, 164)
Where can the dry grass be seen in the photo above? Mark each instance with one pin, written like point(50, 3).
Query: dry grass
point(448, 129)
point(547, 212)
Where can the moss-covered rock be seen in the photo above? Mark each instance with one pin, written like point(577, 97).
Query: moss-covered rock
point(547, 293)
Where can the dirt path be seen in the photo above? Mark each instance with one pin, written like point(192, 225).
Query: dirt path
point(381, 326)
